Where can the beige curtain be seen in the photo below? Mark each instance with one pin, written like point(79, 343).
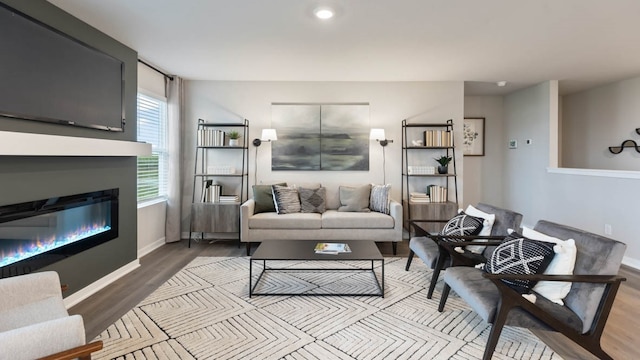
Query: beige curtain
point(175, 101)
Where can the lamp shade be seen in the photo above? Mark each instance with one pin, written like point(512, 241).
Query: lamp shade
point(377, 134)
point(269, 135)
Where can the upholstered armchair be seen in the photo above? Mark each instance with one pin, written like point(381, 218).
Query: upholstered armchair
point(579, 313)
point(34, 322)
point(440, 251)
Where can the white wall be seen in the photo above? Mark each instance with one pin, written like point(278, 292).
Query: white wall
point(483, 174)
point(595, 119)
point(583, 201)
point(390, 103)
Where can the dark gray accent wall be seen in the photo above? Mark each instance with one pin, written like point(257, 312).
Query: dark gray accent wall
point(30, 178)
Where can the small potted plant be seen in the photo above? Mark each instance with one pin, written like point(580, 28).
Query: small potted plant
point(444, 164)
point(233, 138)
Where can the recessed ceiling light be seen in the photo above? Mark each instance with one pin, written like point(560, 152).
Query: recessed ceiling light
point(323, 13)
point(501, 83)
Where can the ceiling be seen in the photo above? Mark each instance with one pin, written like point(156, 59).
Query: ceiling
point(582, 43)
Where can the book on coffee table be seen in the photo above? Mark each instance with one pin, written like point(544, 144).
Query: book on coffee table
point(332, 248)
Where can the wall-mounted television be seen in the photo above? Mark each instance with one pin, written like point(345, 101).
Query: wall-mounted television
point(46, 75)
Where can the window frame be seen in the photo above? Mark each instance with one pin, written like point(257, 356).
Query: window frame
point(157, 149)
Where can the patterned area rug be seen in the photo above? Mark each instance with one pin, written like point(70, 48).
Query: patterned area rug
point(204, 312)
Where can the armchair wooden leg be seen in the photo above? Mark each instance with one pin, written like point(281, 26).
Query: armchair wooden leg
point(496, 330)
point(443, 298)
point(435, 275)
point(409, 259)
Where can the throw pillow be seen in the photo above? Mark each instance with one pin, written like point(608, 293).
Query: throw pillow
point(379, 199)
point(520, 255)
point(562, 264)
point(263, 197)
point(486, 228)
point(286, 199)
point(462, 225)
point(355, 199)
point(313, 200)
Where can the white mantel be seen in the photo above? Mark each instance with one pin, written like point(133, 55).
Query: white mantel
point(28, 144)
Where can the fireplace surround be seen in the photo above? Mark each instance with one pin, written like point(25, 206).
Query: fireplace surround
point(38, 233)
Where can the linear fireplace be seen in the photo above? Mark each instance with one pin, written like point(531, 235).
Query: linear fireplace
point(38, 233)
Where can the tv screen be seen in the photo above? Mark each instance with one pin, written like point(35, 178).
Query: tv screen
point(46, 75)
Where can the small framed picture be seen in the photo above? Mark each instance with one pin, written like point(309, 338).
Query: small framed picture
point(473, 136)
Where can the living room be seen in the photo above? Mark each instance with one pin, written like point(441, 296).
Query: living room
point(565, 173)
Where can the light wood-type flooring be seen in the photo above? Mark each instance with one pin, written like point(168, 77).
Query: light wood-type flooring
point(621, 339)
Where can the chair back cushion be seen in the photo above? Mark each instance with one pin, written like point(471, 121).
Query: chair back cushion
point(596, 255)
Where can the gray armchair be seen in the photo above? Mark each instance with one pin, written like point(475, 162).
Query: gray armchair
point(34, 322)
point(586, 308)
point(437, 254)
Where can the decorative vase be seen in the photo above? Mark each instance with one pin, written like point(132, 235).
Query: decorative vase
point(234, 142)
point(443, 169)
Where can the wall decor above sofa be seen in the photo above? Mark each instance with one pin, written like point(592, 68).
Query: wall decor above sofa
point(320, 137)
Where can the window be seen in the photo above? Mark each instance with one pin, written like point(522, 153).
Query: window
point(152, 128)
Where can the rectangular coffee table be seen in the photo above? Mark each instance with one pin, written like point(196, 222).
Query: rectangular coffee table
point(303, 250)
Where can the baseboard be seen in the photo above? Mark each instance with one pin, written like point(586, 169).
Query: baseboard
point(634, 263)
point(149, 248)
point(99, 284)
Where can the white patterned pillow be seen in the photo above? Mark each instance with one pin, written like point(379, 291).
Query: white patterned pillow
point(286, 199)
point(520, 255)
point(379, 199)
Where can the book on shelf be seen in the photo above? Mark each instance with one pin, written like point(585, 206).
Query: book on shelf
point(332, 248)
point(229, 198)
point(438, 138)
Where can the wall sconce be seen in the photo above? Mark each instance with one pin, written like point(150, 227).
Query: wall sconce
point(379, 136)
point(268, 135)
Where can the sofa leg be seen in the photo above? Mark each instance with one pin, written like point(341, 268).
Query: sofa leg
point(394, 245)
point(248, 248)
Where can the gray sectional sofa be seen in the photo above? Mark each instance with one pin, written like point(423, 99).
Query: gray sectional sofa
point(328, 225)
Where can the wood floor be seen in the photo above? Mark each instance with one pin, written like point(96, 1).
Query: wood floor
point(620, 339)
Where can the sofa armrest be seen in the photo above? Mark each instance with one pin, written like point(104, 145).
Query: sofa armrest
point(395, 210)
point(246, 211)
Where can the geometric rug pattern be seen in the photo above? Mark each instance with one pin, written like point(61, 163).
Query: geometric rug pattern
point(204, 312)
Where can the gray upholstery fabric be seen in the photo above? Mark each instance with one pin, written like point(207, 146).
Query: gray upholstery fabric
point(272, 220)
point(505, 219)
point(597, 255)
point(333, 219)
point(426, 249)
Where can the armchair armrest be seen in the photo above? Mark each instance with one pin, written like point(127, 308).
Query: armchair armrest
point(596, 279)
point(81, 352)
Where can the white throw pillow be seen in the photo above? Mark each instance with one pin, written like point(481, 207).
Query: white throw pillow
point(562, 264)
point(489, 219)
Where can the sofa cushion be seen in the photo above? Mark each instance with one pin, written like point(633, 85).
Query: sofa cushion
point(379, 199)
point(313, 200)
point(354, 199)
point(286, 221)
point(263, 197)
point(333, 219)
point(520, 255)
point(286, 199)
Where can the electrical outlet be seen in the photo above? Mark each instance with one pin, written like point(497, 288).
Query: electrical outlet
point(607, 229)
point(529, 141)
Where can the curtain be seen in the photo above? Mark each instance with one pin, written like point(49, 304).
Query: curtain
point(175, 101)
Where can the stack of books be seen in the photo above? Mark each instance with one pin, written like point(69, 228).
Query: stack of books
point(210, 137)
point(229, 198)
point(438, 193)
point(332, 248)
point(437, 138)
point(415, 197)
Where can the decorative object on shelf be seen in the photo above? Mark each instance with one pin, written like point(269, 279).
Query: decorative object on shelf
point(626, 144)
point(379, 136)
point(443, 160)
point(234, 137)
point(268, 135)
point(473, 136)
point(321, 137)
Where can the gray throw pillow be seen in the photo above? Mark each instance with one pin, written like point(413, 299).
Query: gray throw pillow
point(286, 199)
point(263, 196)
point(379, 199)
point(313, 200)
point(355, 199)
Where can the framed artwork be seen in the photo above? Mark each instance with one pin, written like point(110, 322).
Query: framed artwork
point(473, 137)
point(332, 137)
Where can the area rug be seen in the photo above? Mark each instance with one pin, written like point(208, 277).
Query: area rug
point(204, 312)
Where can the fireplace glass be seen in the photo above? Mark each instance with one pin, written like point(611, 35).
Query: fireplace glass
point(38, 233)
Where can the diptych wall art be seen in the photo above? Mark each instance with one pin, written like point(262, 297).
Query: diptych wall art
point(320, 137)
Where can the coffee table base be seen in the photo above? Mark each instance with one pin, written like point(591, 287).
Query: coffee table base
point(252, 287)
